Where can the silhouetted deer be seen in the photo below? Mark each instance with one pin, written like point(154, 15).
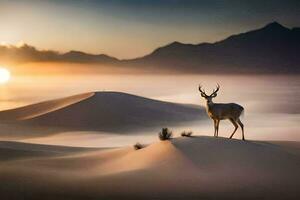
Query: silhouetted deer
point(220, 111)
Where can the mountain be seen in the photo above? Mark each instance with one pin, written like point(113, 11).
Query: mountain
point(78, 56)
point(105, 111)
point(271, 49)
point(27, 53)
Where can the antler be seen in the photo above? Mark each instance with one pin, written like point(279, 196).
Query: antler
point(202, 92)
point(214, 93)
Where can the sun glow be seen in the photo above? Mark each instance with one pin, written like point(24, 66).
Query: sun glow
point(4, 75)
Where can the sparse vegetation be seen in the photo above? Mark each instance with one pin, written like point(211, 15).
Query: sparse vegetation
point(138, 146)
point(186, 134)
point(165, 134)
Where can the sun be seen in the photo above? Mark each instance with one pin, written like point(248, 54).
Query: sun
point(4, 75)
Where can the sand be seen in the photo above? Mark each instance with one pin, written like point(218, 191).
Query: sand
point(104, 111)
point(38, 109)
point(182, 168)
point(198, 167)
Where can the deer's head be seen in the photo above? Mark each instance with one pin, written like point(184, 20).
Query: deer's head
point(211, 96)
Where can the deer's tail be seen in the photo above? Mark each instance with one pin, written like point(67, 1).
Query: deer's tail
point(242, 113)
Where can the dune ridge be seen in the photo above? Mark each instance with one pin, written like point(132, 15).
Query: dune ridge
point(104, 111)
point(38, 109)
point(12, 150)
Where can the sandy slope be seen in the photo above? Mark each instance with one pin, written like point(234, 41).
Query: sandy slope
point(34, 110)
point(105, 111)
point(183, 168)
point(10, 150)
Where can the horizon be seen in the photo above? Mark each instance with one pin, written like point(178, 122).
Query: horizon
point(23, 44)
point(131, 29)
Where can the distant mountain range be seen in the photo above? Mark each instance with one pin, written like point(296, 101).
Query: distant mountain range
point(27, 53)
point(270, 49)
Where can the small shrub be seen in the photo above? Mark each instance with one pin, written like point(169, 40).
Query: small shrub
point(165, 134)
point(186, 134)
point(138, 146)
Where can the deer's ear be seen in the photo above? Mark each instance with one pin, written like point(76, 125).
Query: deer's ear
point(203, 95)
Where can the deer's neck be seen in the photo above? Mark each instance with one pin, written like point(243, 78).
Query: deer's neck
point(209, 109)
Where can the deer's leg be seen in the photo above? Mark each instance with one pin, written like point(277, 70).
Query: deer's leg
point(235, 127)
point(217, 126)
point(242, 127)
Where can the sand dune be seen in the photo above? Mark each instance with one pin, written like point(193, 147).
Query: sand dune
point(183, 168)
point(34, 110)
point(105, 111)
point(11, 150)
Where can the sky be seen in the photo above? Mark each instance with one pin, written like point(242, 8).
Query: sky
point(133, 28)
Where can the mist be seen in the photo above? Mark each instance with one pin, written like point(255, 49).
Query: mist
point(271, 102)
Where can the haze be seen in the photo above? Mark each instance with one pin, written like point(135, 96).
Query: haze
point(271, 101)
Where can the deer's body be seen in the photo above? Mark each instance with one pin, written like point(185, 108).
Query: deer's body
point(222, 111)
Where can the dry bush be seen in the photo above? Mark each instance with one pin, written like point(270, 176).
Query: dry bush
point(186, 134)
point(165, 134)
point(138, 146)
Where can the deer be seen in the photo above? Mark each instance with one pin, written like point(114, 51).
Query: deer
point(223, 111)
